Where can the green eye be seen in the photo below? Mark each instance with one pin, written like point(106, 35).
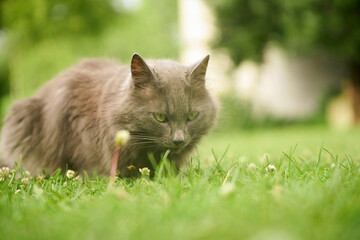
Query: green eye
point(160, 117)
point(192, 116)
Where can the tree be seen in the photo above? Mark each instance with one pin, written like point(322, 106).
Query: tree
point(247, 26)
point(44, 37)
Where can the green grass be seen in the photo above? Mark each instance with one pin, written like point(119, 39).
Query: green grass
point(314, 193)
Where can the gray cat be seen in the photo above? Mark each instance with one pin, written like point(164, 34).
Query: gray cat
point(73, 119)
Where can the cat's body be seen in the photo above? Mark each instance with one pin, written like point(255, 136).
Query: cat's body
point(73, 119)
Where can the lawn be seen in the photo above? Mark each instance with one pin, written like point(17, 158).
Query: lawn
point(280, 183)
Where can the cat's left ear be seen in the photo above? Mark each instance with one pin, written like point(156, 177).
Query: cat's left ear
point(140, 72)
point(198, 70)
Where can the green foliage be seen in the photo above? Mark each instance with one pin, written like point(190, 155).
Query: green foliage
point(308, 190)
point(45, 37)
point(41, 19)
point(247, 26)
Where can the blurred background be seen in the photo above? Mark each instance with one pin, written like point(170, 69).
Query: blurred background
point(273, 62)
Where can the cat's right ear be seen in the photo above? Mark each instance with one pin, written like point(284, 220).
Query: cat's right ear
point(198, 71)
point(140, 71)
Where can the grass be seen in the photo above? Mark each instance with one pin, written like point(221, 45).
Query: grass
point(225, 192)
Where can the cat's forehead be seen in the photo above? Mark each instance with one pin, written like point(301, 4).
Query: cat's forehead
point(174, 89)
point(169, 72)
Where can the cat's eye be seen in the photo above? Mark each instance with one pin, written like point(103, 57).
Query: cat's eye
point(160, 117)
point(191, 116)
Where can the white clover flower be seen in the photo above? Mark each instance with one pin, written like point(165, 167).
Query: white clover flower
point(251, 167)
point(37, 191)
point(25, 180)
point(122, 137)
point(144, 171)
point(270, 168)
point(264, 158)
point(226, 189)
point(17, 191)
point(4, 172)
point(40, 178)
point(70, 173)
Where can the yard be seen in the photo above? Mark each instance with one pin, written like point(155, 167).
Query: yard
point(299, 182)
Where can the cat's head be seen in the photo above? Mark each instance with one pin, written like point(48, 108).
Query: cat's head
point(172, 108)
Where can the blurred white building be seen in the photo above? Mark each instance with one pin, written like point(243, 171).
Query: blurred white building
point(281, 87)
point(287, 88)
point(197, 30)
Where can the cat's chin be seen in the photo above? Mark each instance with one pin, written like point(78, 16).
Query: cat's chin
point(176, 150)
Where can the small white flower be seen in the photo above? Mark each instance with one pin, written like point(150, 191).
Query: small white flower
point(144, 171)
point(17, 191)
point(226, 189)
point(251, 167)
point(70, 173)
point(77, 178)
point(37, 191)
point(243, 159)
point(25, 180)
point(4, 172)
point(270, 168)
point(2, 179)
point(122, 137)
point(40, 178)
point(264, 158)
point(333, 165)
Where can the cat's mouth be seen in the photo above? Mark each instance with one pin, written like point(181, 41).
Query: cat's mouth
point(177, 148)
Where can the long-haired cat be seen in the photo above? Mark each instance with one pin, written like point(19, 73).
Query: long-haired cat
point(73, 119)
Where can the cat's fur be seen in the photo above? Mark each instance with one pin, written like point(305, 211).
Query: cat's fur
point(73, 119)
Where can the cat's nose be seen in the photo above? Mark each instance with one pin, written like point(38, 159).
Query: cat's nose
point(178, 138)
point(179, 142)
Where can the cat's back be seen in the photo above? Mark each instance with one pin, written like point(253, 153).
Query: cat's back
point(87, 74)
point(61, 114)
point(79, 89)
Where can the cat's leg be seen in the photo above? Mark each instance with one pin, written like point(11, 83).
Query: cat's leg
point(21, 135)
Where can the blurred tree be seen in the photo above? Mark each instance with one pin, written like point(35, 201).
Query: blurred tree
point(4, 66)
point(38, 19)
point(25, 24)
point(301, 27)
point(44, 37)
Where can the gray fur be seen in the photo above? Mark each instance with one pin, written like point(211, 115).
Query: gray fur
point(73, 119)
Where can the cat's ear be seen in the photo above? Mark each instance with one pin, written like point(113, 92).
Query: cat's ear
point(198, 71)
point(140, 71)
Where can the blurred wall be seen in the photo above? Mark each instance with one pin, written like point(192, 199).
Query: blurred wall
point(197, 30)
point(282, 87)
point(288, 88)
